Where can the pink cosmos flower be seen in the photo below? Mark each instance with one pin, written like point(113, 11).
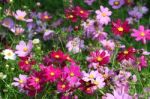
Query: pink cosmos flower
point(75, 45)
point(118, 93)
point(62, 86)
point(142, 62)
point(100, 56)
point(103, 15)
point(20, 15)
point(73, 73)
point(108, 44)
point(141, 34)
point(52, 74)
point(89, 2)
point(17, 30)
point(24, 49)
point(20, 82)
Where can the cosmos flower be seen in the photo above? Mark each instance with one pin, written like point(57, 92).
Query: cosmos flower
point(44, 16)
point(73, 74)
point(51, 74)
point(9, 54)
point(20, 15)
point(48, 34)
point(116, 4)
point(26, 63)
point(141, 34)
point(75, 45)
point(70, 14)
point(17, 30)
point(142, 62)
point(126, 54)
point(83, 14)
point(8, 22)
point(103, 15)
point(62, 86)
point(108, 44)
point(20, 82)
point(117, 94)
point(23, 49)
point(135, 13)
point(99, 35)
point(119, 27)
point(89, 2)
point(99, 56)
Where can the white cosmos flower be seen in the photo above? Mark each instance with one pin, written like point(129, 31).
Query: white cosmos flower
point(9, 54)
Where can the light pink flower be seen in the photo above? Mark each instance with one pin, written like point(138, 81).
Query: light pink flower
point(103, 15)
point(108, 44)
point(141, 34)
point(20, 82)
point(23, 49)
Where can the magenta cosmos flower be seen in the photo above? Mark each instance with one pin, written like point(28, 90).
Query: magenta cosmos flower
point(142, 62)
point(116, 4)
point(20, 82)
point(100, 56)
point(23, 49)
point(52, 74)
point(141, 34)
point(73, 73)
point(103, 15)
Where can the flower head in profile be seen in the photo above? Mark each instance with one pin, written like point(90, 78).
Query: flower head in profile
point(142, 62)
point(120, 27)
point(103, 15)
point(75, 45)
point(108, 44)
point(48, 34)
point(20, 82)
point(99, 56)
point(89, 2)
point(23, 49)
point(8, 22)
point(17, 30)
point(116, 4)
point(9, 54)
point(141, 34)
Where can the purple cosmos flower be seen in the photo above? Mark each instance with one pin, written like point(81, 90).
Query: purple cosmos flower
point(75, 45)
point(88, 27)
point(103, 15)
point(99, 35)
point(135, 13)
point(48, 34)
point(8, 22)
point(57, 23)
point(23, 49)
point(20, 82)
point(116, 4)
point(89, 2)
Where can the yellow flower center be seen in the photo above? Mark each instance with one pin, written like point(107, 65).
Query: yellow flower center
point(99, 58)
point(27, 62)
point(81, 11)
point(37, 79)
point(25, 49)
point(116, 3)
point(46, 17)
point(71, 16)
point(91, 76)
point(71, 74)
point(88, 89)
point(96, 83)
point(104, 14)
point(125, 52)
point(52, 73)
point(142, 34)
point(20, 17)
point(63, 86)
point(57, 56)
point(9, 54)
point(20, 81)
point(120, 29)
